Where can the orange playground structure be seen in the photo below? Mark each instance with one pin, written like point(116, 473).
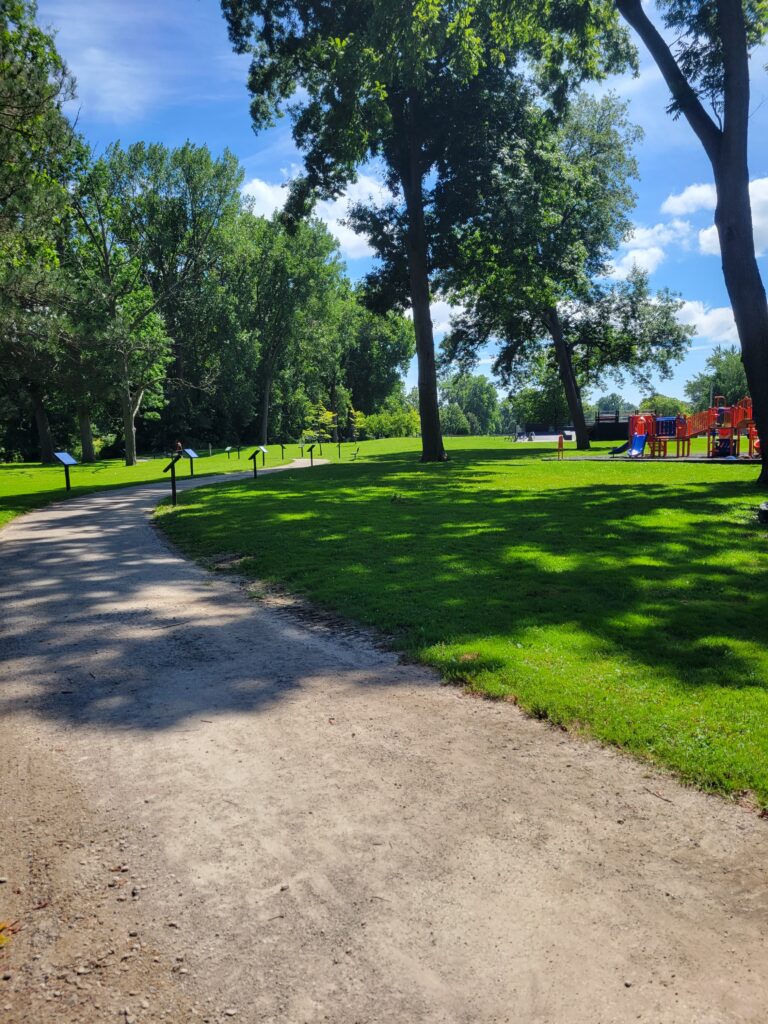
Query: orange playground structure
point(726, 428)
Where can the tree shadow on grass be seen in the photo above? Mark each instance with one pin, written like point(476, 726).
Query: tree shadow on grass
point(103, 625)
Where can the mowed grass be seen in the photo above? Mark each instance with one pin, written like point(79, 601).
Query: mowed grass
point(24, 486)
point(625, 601)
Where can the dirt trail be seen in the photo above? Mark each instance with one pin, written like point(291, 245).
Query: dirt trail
point(214, 810)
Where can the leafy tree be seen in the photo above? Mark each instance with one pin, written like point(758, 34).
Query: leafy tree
point(285, 283)
point(454, 420)
point(544, 403)
point(380, 79)
point(545, 214)
point(664, 405)
point(380, 351)
point(724, 375)
point(143, 223)
point(708, 64)
point(612, 402)
point(38, 150)
point(396, 418)
point(476, 397)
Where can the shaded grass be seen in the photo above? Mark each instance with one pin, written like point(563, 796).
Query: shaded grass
point(624, 600)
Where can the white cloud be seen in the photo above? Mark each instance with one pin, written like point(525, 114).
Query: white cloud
point(716, 325)
point(442, 313)
point(690, 200)
point(709, 244)
point(266, 198)
point(269, 197)
point(646, 247)
point(647, 259)
point(703, 197)
point(659, 234)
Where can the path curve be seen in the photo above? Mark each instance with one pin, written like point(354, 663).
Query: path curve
point(215, 810)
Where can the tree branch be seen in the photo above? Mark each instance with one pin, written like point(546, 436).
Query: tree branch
point(683, 93)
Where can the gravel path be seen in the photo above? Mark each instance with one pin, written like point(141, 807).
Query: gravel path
point(217, 810)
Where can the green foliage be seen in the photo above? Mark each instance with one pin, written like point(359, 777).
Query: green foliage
point(544, 404)
point(613, 402)
point(453, 420)
point(699, 44)
point(397, 418)
point(724, 375)
point(476, 398)
point(664, 405)
point(321, 424)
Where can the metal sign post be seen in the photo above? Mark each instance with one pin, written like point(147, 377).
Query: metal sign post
point(66, 460)
point(172, 466)
point(252, 458)
point(191, 454)
point(264, 451)
point(228, 450)
point(282, 451)
point(310, 449)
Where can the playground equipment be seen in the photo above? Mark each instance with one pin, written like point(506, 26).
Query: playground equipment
point(725, 427)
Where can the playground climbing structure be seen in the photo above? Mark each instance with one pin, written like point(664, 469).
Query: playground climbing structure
point(727, 428)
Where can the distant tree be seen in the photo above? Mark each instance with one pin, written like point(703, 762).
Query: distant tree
point(285, 284)
point(612, 403)
point(724, 375)
point(664, 405)
point(453, 419)
point(396, 418)
point(380, 78)
point(708, 63)
point(477, 398)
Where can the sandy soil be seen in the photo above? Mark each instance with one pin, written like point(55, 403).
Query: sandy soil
point(215, 809)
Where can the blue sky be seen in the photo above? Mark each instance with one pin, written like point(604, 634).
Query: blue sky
point(164, 71)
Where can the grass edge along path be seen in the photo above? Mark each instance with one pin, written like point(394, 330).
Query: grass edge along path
point(626, 602)
point(25, 486)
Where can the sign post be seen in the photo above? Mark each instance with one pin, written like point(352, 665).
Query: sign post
point(66, 460)
point(264, 451)
point(252, 458)
point(282, 452)
point(172, 466)
point(310, 449)
point(228, 450)
point(191, 454)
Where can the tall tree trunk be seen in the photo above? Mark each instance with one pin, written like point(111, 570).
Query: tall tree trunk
point(45, 441)
point(432, 449)
point(727, 152)
point(264, 414)
point(86, 435)
point(129, 426)
point(568, 378)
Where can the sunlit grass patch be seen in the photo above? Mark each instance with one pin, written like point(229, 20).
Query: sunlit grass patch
point(625, 601)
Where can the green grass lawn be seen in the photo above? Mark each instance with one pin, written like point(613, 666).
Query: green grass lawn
point(626, 601)
point(24, 486)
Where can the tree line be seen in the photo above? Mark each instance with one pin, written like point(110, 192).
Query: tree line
point(138, 290)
